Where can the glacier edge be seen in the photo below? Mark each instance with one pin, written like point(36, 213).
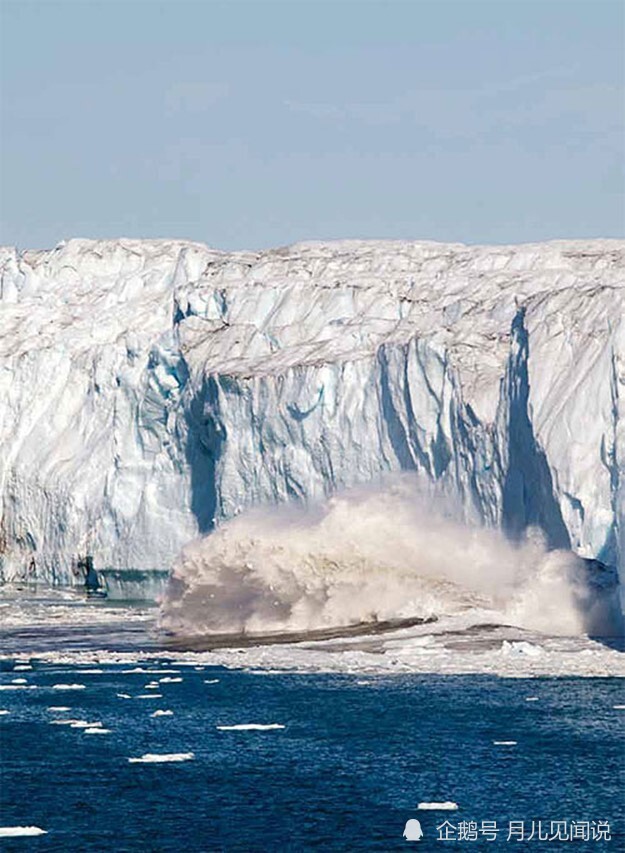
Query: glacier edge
point(153, 388)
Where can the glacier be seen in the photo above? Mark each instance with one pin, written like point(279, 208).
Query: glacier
point(152, 389)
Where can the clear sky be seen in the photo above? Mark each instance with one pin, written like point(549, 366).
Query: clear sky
point(253, 124)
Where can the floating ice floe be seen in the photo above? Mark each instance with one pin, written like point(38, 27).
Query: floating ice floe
point(155, 758)
point(83, 724)
point(17, 687)
point(531, 698)
point(142, 669)
point(521, 648)
point(246, 727)
point(16, 831)
point(504, 743)
point(123, 695)
point(211, 681)
point(153, 685)
point(445, 806)
point(149, 696)
point(19, 681)
point(68, 686)
point(169, 680)
point(96, 731)
point(619, 707)
point(161, 713)
point(59, 708)
point(3, 711)
point(22, 667)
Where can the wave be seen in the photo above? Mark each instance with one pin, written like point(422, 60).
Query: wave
point(373, 556)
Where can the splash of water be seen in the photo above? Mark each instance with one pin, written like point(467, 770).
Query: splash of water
point(369, 556)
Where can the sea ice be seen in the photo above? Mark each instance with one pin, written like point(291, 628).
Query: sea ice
point(160, 713)
point(156, 758)
point(68, 686)
point(15, 831)
point(245, 727)
point(443, 806)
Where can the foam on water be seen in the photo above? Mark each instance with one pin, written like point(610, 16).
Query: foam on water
point(370, 556)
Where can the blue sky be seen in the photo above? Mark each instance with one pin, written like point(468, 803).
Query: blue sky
point(254, 124)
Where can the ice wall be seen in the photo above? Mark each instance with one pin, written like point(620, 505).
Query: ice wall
point(149, 389)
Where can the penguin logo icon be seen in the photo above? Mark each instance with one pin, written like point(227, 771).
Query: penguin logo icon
point(412, 830)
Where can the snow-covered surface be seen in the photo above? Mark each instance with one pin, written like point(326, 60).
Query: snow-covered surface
point(151, 387)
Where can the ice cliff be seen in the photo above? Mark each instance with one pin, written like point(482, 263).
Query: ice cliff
point(149, 389)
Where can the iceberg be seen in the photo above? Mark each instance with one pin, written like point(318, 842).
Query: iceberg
point(153, 389)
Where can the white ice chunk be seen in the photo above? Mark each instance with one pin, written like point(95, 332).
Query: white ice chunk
point(161, 713)
point(442, 806)
point(520, 648)
point(156, 758)
point(16, 831)
point(245, 727)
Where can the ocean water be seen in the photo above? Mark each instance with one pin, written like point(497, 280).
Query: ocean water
point(356, 756)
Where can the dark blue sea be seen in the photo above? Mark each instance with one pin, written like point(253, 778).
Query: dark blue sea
point(355, 758)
